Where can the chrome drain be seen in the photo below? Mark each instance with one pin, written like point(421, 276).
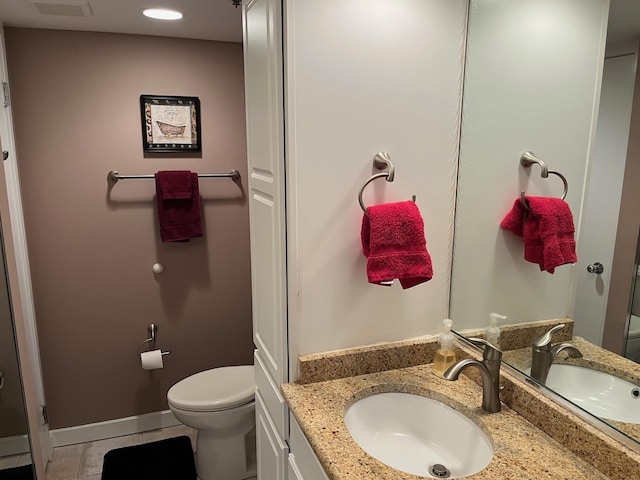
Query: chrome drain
point(439, 471)
point(635, 392)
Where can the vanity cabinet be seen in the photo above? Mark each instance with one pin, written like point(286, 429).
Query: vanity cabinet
point(303, 463)
point(262, 38)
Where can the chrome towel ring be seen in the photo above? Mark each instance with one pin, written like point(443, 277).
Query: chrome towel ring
point(382, 161)
point(529, 158)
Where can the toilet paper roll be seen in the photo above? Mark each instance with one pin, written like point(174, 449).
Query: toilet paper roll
point(151, 360)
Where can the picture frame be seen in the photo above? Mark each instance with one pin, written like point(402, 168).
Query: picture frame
point(170, 123)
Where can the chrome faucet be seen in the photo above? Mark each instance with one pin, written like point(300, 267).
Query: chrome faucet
point(489, 371)
point(543, 353)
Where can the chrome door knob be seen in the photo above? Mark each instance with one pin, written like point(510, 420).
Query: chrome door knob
point(596, 268)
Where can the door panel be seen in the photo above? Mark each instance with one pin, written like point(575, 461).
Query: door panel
point(263, 90)
point(270, 392)
point(271, 450)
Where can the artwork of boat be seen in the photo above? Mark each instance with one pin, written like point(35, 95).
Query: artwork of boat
point(169, 130)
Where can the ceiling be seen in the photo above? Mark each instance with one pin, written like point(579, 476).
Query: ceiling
point(203, 19)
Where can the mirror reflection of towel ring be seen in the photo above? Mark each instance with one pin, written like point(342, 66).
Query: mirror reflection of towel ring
point(564, 183)
point(529, 158)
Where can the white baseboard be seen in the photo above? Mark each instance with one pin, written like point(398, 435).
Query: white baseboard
point(112, 428)
point(15, 445)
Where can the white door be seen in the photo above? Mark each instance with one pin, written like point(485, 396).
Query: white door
point(600, 216)
point(264, 100)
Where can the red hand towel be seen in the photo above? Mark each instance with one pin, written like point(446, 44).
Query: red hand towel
point(547, 231)
point(395, 246)
point(178, 204)
point(514, 219)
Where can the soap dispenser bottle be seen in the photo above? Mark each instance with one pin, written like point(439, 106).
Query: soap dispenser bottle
point(446, 354)
point(492, 332)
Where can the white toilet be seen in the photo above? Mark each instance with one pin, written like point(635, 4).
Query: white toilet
point(633, 340)
point(220, 404)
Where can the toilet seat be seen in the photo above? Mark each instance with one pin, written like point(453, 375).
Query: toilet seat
point(213, 390)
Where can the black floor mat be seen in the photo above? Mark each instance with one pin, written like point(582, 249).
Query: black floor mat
point(18, 473)
point(170, 459)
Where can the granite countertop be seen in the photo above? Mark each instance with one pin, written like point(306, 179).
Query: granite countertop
point(521, 451)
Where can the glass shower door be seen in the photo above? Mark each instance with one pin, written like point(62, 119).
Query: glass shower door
point(15, 452)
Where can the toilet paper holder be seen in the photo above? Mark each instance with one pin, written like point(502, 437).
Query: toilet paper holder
point(153, 331)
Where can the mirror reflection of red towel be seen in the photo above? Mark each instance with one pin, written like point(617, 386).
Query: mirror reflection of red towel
point(395, 246)
point(178, 203)
point(547, 231)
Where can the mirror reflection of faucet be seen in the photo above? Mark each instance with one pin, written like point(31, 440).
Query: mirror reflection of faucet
point(489, 371)
point(543, 354)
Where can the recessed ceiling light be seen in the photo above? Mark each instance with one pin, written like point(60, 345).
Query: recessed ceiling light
point(162, 14)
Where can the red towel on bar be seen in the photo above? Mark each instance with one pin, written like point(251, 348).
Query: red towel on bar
point(178, 203)
point(395, 246)
point(547, 231)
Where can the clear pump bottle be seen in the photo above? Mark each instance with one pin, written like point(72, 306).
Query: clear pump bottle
point(446, 354)
point(492, 332)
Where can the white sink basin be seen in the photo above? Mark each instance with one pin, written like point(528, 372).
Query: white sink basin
point(597, 392)
point(412, 433)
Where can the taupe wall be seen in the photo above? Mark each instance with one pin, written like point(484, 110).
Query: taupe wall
point(75, 98)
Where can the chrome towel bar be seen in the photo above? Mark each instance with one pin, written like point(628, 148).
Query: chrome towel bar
point(113, 176)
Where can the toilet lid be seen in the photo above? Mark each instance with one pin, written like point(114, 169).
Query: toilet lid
point(215, 389)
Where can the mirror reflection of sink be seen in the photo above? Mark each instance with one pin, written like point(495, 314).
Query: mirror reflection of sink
point(412, 433)
point(597, 392)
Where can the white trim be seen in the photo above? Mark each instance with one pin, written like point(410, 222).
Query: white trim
point(21, 254)
point(16, 445)
point(113, 428)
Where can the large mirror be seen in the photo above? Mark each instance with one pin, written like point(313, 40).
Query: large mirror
point(541, 78)
point(15, 456)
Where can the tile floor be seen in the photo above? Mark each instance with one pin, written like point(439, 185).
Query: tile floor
point(84, 460)
point(15, 461)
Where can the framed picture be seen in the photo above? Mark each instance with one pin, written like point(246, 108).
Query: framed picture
point(170, 124)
